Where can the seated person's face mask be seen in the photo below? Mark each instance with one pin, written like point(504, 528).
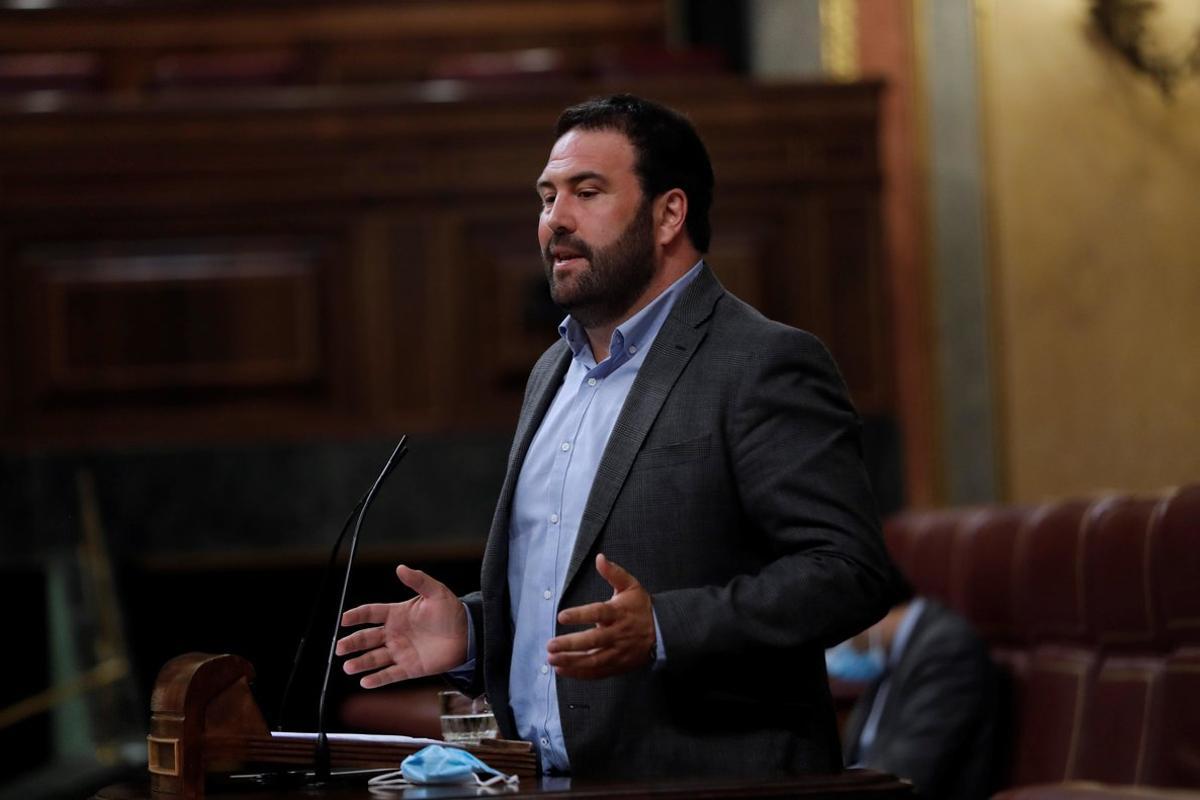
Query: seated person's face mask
point(848, 663)
point(436, 764)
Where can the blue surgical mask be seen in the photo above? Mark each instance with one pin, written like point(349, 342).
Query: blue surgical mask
point(848, 663)
point(436, 764)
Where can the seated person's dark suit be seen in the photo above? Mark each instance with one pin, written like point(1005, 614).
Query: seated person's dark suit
point(936, 726)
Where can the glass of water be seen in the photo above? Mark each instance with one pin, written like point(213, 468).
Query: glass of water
point(466, 720)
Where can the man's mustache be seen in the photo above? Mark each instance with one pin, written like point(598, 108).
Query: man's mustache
point(576, 245)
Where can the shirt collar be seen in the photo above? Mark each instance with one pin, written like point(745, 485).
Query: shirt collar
point(637, 332)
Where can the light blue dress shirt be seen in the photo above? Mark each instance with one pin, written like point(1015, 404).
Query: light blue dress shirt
point(551, 493)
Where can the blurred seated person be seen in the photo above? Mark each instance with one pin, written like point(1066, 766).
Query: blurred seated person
point(929, 710)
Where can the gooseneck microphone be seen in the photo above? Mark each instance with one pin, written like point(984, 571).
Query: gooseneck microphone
point(321, 757)
point(312, 614)
point(320, 595)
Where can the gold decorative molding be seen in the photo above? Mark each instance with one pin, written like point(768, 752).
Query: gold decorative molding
point(839, 39)
point(1127, 27)
point(103, 674)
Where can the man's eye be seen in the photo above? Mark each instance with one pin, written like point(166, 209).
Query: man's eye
point(547, 201)
point(587, 194)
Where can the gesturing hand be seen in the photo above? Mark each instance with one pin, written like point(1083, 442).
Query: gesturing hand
point(422, 636)
point(623, 636)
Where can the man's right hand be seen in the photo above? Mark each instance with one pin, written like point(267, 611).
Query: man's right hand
point(422, 636)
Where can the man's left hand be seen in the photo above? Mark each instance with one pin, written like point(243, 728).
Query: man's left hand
point(622, 639)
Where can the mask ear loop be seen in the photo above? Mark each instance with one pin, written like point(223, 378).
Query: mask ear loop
point(389, 780)
point(396, 780)
point(499, 779)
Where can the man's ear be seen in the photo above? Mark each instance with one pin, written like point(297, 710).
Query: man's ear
point(670, 214)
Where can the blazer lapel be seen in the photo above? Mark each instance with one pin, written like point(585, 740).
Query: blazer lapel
point(855, 723)
point(912, 657)
point(673, 348)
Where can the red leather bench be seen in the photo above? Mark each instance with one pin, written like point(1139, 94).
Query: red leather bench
point(1092, 610)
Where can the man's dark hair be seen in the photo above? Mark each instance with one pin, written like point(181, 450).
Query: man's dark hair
point(669, 152)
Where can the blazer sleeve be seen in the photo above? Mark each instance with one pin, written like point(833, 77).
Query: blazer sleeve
point(795, 455)
point(472, 685)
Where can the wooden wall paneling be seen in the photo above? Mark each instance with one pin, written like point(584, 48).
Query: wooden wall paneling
point(509, 316)
point(805, 289)
point(859, 321)
point(445, 303)
point(342, 399)
point(816, 187)
point(834, 290)
point(416, 324)
point(795, 277)
point(127, 317)
point(210, 327)
point(430, 293)
point(399, 316)
point(168, 316)
point(810, 259)
point(11, 373)
point(146, 46)
point(742, 256)
point(753, 251)
point(164, 25)
point(370, 255)
point(63, 72)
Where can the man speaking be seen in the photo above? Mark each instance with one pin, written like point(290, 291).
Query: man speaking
point(686, 522)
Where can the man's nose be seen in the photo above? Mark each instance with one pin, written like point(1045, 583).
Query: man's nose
point(560, 218)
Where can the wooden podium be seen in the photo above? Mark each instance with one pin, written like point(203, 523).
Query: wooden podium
point(204, 721)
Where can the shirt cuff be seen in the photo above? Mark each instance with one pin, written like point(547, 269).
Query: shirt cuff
point(660, 652)
point(465, 670)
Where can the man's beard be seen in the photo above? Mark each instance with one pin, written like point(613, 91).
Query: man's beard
point(616, 276)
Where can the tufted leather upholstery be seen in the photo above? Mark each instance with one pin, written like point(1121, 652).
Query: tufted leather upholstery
point(1174, 757)
point(1092, 610)
point(1116, 733)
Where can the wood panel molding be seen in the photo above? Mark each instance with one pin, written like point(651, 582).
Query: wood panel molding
point(145, 46)
point(134, 316)
point(284, 264)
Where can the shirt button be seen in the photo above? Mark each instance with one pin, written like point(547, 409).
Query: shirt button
point(566, 446)
point(591, 381)
point(547, 594)
point(632, 349)
point(554, 519)
point(545, 742)
point(545, 669)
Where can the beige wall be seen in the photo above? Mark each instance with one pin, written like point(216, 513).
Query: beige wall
point(1094, 214)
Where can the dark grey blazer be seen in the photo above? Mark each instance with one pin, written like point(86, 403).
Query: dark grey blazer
point(733, 488)
point(937, 725)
